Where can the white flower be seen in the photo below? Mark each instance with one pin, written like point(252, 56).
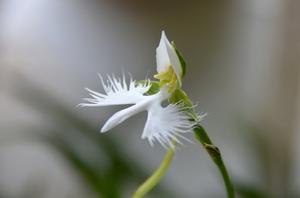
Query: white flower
point(164, 124)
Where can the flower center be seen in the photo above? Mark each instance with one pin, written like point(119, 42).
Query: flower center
point(168, 78)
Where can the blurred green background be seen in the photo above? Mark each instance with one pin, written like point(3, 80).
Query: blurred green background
point(243, 70)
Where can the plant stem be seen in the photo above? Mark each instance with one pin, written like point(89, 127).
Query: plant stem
point(156, 176)
point(215, 154)
point(201, 135)
point(226, 178)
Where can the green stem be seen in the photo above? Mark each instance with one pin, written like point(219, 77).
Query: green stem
point(215, 154)
point(201, 135)
point(156, 176)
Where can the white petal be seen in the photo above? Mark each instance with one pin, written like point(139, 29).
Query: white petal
point(166, 124)
point(117, 92)
point(166, 56)
point(123, 115)
point(162, 57)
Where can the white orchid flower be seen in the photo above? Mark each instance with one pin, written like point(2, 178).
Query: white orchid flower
point(164, 124)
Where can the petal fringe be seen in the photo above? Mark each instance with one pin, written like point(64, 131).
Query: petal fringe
point(166, 124)
point(117, 92)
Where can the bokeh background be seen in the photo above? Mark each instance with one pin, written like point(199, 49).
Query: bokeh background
point(243, 69)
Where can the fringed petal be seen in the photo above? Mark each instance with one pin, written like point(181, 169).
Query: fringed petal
point(166, 124)
point(117, 92)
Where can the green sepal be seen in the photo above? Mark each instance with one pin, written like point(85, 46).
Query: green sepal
point(155, 88)
point(181, 59)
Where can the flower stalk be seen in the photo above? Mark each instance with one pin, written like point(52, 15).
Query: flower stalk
point(154, 179)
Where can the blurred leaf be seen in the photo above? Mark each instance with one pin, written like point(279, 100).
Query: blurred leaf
point(106, 181)
point(247, 191)
point(93, 176)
